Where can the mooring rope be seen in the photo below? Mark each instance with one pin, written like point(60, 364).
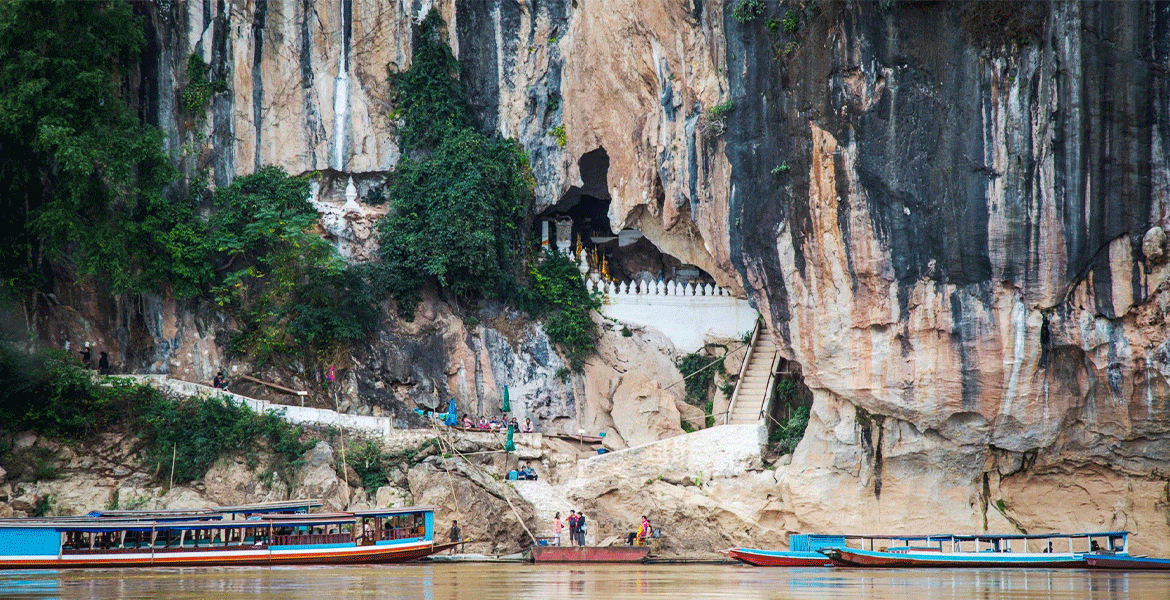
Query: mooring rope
point(482, 471)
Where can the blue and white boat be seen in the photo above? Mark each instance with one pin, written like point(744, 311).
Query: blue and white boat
point(262, 534)
point(1052, 550)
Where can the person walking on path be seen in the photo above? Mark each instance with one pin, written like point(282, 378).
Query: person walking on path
point(456, 535)
point(557, 528)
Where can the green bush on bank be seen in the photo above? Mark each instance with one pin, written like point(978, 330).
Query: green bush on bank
point(52, 394)
point(373, 466)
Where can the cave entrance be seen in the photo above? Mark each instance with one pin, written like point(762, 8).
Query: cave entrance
point(580, 219)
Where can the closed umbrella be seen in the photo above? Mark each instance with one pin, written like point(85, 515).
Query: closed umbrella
point(507, 406)
point(509, 446)
point(451, 420)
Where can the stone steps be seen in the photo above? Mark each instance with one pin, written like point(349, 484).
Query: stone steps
point(546, 502)
point(752, 387)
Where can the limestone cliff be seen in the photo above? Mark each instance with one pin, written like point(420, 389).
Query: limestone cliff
point(951, 215)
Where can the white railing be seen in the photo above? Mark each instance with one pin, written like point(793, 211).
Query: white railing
point(655, 288)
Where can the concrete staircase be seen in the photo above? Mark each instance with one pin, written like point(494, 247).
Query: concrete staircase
point(753, 391)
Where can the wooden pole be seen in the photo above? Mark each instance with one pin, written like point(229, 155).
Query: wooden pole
point(174, 453)
point(344, 464)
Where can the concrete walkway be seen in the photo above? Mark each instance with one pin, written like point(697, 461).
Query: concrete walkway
point(528, 445)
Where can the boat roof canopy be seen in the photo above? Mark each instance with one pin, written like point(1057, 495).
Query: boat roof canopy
point(988, 536)
point(388, 512)
point(257, 508)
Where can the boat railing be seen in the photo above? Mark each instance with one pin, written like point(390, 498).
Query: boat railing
point(399, 533)
point(312, 539)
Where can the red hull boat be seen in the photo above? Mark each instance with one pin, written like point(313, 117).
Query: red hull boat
point(601, 554)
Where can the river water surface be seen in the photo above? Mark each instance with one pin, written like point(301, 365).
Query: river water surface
point(487, 581)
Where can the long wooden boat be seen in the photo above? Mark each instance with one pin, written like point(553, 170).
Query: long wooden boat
point(779, 558)
point(1128, 563)
point(1056, 550)
point(248, 535)
point(802, 552)
point(602, 554)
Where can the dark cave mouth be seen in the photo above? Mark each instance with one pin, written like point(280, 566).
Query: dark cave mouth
point(580, 220)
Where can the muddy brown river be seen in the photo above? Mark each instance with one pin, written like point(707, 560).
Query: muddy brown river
point(487, 581)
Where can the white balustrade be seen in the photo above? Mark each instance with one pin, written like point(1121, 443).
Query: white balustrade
point(658, 288)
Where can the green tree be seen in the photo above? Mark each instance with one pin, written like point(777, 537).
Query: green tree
point(76, 164)
point(458, 198)
point(428, 98)
point(288, 285)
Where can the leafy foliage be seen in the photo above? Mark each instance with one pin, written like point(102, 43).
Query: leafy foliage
point(52, 394)
point(747, 10)
point(455, 219)
point(197, 432)
point(77, 165)
point(288, 285)
point(373, 466)
point(428, 96)
point(700, 370)
point(786, 436)
point(199, 88)
point(459, 198)
point(715, 119)
point(556, 293)
point(791, 21)
point(558, 132)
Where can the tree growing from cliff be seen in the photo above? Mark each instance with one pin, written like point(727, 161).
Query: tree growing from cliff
point(79, 173)
point(289, 288)
point(555, 292)
point(459, 198)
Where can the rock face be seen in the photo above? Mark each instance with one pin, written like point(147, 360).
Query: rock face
point(984, 314)
point(492, 516)
point(953, 219)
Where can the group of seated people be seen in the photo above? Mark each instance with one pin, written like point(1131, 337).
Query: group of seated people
point(497, 424)
point(527, 472)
